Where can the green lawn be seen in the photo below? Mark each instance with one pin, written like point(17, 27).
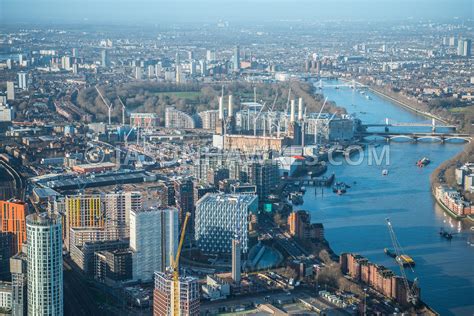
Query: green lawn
point(457, 110)
point(181, 94)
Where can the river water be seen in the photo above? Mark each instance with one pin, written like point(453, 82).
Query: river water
point(355, 222)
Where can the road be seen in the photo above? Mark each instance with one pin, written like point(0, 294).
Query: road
point(78, 298)
point(282, 238)
point(19, 184)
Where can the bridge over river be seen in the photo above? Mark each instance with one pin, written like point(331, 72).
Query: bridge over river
point(417, 136)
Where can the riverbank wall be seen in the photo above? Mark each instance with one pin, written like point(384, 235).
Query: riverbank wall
point(399, 102)
point(449, 211)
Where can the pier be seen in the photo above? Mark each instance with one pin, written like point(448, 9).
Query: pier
point(315, 182)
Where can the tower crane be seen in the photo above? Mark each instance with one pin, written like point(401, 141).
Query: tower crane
point(109, 106)
point(286, 109)
point(271, 113)
point(316, 124)
point(255, 120)
point(127, 135)
point(175, 300)
point(123, 110)
point(412, 296)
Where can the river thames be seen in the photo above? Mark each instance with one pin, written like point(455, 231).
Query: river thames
point(355, 222)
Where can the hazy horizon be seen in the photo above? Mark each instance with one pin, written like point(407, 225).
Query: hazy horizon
point(246, 11)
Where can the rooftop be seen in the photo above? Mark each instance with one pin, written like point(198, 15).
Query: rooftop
point(228, 198)
point(43, 219)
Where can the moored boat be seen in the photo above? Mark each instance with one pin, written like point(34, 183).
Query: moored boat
point(389, 253)
point(423, 162)
point(405, 260)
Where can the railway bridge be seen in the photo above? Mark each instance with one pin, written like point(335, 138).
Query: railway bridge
point(439, 137)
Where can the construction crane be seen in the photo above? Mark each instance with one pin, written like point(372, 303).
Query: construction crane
point(109, 106)
point(269, 118)
point(316, 124)
point(412, 296)
point(255, 121)
point(286, 109)
point(124, 109)
point(127, 135)
point(175, 296)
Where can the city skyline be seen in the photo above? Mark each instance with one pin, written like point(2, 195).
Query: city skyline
point(179, 157)
point(237, 12)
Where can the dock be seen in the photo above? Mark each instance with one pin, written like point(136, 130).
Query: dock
point(313, 182)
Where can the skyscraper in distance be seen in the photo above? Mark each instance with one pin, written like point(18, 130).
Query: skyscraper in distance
point(460, 49)
point(203, 66)
point(45, 264)
point(467, 48)
point(236, 59)
point(178, 68)
point(105, 58)
point(22, 80)
point(10, 90)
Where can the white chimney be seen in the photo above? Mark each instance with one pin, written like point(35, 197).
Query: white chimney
point(292, 111)
point(300, 109)
point(221, 109)
point(231, 106)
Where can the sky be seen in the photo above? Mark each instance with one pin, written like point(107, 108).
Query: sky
point(243, 11)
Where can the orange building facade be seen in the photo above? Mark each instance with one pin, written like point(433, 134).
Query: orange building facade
point(12, 219)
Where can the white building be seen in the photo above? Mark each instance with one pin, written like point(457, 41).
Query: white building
point(220, 217)
point(118, 206)
point(138, 73)
point(209, 119)
point(108, 211)
point(178, 119)
point(151, 71)
point(5, 296)
point(66, 63)
point(45, 264)
point(6, 113)
point(210, 55)
point(22, 80)
point(287, 166)
point(10, 90)
point(203, 67)
point(170, 76)
point(154, 237)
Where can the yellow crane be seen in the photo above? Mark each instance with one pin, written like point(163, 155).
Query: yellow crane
point(411, 292)
point(175, 296)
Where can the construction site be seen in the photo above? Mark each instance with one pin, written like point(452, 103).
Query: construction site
point(257, 127)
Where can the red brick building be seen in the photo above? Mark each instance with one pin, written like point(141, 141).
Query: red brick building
point(189, 295)
point(376, 276)
point(299, 224)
